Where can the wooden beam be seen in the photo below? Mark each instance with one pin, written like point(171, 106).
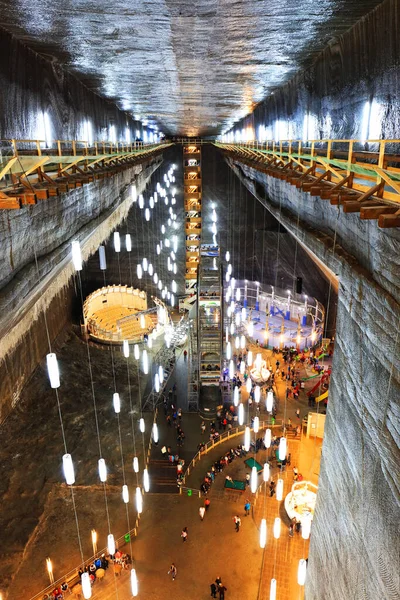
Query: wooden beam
point(355, 206)
point(373, 212)
point(9, 202)
point(386, 221)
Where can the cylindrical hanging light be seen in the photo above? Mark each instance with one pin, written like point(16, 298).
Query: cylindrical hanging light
point(111, 544)
point(125, 348)
point(238, 294)
point(257, 394)
point(267, 438)
point(158, 249)
point(150, 270)
point(102, 257)
point(116, 403)
point(128, 242)
point(266, 472)
point(248, 385)
point(270, 401)
point(147, 214)
point(231, 369)
point(139, 500)
point(145, 362)
point(305, 527)
point(249, 358)
point(242, 367)
point(272, 590)
point(237, 319)
point(243, 315)
point(242, 342)
point(241, 414)
point(52, 370)
point(133, 193)
point(258, 361)
point(136, 351)
point(302, 572)
point(125, 494)
point(263, 533)
point(102, 470)
point(117, 242)
point(141, 425)
point(247, 439)
point(68, 468)
point(256, 424)
point(236, 396)
point(134, 583)
point(141, 201)
point(237, 342)
point(135, 464)
point(228, 351)
point(226, 334)
point(146, 480)
point(139, 271)
point(145, 264)
point(277, 528)
point(279, 489)
point(232, 328)
point(253, 480)
point(155, 433)
point(76, 255)
point(250, 329)
point(86, 586)
point(227, 256)
point(157, 383)
point(282, 448)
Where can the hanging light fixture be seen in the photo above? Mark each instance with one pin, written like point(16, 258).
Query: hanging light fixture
point(237, 319)
point(282, 448)
point(277, 528)
point(156, 383)
point(111, 544)
point(116, 403)
point(141, 201)
point(253, 480)
point(241, 414)
point(68, 468)
point(257, 394)
point(266, 472)
point(272, 590)
point(155, 278)
point(258, 361)
point(256, 424)
point(243, 314)
point(158, 249)
point(102, 470)
point(228, 351)
point(134, 583)
point(135, 464)
point(76, 255)
point(146, 480)
point(150, 270)
point(86, 586)
point(125, 494)
point(279, 489)
point(242, 342)
point(227, 256)
point(302, 572)
point(249, 358)
point(237, 342)
point(133, 193)
point(145, 264)
point(267, 438)
point(248, 385)
point(128, 242)
point(142, 425)
point(125, 348)
point(242, 367)
point(52, 370)
point(247, 439)
point(236, 396)
point(250, 329)
point(145, 362)
point(270, 401)
point(263, 533)
point(102, 257)
point(139, 271)
point(231, 369)
point(117, 242)
point(238, 294)
point(232, 327)
point(305, 527)
point(155, 433)
point(136, 351)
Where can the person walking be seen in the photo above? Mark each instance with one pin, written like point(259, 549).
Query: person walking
point(218, 581)
point(222, 589)
point(184, 534)
point(213, 588)
point(202, 512)
point(203, 427)
point(238, 522)
point(173, 571)
point(291, 530)
point(298, 413)
point(207, 503)
point(247, 507)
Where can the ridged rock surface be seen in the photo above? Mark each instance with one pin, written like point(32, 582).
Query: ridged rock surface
point(354, 550)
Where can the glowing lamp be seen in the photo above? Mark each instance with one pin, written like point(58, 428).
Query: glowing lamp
point(141, 425)
point(237, 342)
point(241, 414)
point(134, 583)
point(145, 362)
point(267, 438)
point(68, 468)
point(133, 193)
point(228, 351)
point(150, 270)
point(117, 242)
point(302, 572)
point(142, 322)
point(236, 396)
point(270, 401)
point(135, 464)
point(242, 342)
point(248, 385)
point(156, 383)
point(272, 590)
point(145, 264)
point(116, 403)
point(136, 351)
point(139, 271)
point(237, 294)
point(305, 527)
point(231, 369)
point(125, 494)
point(243, 314)
point(242, 367)
point(125, 348)
point(253, 480)
point(247, 439)
point(141, 201)
point(102, 470)
point(86, 586)
point(102, 258)
point(279, 489)
point(282, 448)
point(258, 362)
point(263, 533)
point(232, 328)
point(52, 370)
point(111, 544)
point(266, 472)
point(249, 358)
point(155, 433)
point(76, 255)
point(257, 394)
point(277, 528)
point(256, 424)
point(146, 480)
point(128, 242)
point(227, 256)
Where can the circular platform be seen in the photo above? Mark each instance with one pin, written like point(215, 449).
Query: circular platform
point(116, 313)
point(300, 502)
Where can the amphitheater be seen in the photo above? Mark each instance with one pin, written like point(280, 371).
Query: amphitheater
point(116, 313)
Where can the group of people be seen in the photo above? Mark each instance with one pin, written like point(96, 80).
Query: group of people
point(218, 587)
point(219, 466)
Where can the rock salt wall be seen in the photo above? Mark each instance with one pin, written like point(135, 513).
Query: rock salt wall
point(354, 543)
point(89, 214)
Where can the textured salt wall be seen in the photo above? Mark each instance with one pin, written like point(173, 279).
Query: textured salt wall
point(355, 548)
point(31, 85)
point(362, 65)
point(88, 213)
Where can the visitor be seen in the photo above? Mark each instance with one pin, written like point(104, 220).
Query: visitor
point(173, 571)
point(184, 534)
point(213, 588)
point(272, 488)
point(203, 427)
point(237, 520)
point(247, 507)
point(298, 413)
point(207, 503)
point(295, 473)
point(202, 512)
point(291, 530)
point(222, 589)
